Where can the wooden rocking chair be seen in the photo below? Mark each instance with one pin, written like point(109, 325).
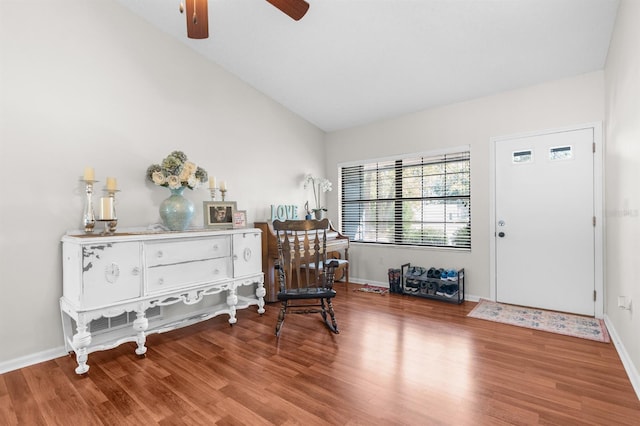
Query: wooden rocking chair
point(306, 275)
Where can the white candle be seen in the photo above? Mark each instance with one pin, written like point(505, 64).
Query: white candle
point(111, 184)
point(223, 185)
point(212, 182)
point(106, 208)
point(89, 173)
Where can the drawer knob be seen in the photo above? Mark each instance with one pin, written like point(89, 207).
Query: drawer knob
point(160, 281)
point(135, 271)
point(160, 254)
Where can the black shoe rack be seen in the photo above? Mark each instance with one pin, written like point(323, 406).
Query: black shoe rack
point(425, 282)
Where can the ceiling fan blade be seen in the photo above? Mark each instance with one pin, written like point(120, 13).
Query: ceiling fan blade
point(197, 19)
point(296, 9)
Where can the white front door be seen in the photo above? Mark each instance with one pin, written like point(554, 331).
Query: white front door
point(544, 213)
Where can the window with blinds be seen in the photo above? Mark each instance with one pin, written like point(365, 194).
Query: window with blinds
point(414, 200)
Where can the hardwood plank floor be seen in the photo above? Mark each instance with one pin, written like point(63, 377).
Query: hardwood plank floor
point(398, 360)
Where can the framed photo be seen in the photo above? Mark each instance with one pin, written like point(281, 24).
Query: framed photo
point(219, 214)
point(240, 219)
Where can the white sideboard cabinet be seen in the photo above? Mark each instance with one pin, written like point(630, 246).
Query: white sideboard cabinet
point(116, 287)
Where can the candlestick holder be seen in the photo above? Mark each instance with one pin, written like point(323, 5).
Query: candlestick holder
point(88, 217)
point(109, 226)
point(212, 191)
point(222, 193)
point(108, 211)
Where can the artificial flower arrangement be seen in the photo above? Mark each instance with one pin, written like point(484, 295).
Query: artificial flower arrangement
point(177, 171)
point(319, 185)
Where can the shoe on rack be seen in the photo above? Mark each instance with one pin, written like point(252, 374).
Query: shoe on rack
point(451, 290)
point(443, 274)
point(409, 272)
point(430, 272)
point(423, 277)
point(452, 275)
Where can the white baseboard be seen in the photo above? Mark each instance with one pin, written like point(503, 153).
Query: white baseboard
point(631, 369)
point(25, 361)
point(374, 283)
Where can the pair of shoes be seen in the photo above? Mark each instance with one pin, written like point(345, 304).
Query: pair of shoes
point(447, 290)
point(452, 275)
point(437, 274)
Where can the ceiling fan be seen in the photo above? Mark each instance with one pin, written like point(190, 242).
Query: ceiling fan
point(198, 15)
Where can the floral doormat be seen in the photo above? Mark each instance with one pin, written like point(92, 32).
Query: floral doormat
point(372, 289)
point(538, 319)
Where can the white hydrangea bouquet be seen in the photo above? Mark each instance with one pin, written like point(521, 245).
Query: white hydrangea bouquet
point(177, 171)
point(319, 186)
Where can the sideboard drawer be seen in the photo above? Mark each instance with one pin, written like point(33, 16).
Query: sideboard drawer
point(170, 252)
point(164, 277)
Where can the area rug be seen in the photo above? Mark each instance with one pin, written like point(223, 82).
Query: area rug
point(538, 319)
point(372, 289)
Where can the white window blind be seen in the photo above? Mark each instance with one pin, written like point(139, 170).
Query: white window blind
point(415, 200)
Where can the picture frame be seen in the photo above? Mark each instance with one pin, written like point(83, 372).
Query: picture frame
point(240, 219)
point(219, 214)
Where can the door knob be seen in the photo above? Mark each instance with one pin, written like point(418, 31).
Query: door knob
point(501, 234)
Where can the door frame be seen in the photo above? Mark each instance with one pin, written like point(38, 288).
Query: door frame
point(598, 199)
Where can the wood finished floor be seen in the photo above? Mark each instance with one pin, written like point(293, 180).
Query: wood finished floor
point(397, 361)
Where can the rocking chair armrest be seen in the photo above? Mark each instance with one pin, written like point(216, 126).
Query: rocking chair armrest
point(329, 271)
point(332, 263)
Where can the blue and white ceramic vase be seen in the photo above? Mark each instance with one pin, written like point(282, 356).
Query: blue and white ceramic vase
point(177, 211)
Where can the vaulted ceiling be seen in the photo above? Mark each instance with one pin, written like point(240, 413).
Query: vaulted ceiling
point(352, 62)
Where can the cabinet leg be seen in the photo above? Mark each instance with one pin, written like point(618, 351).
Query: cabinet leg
point(81, 340)
point(232, 301)
point(140, 325)
point(260, 293)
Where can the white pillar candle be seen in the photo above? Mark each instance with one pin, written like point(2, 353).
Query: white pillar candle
point(111, 184)
point(223, 186)
point(106, 208)
point(212, 182)
point(89, 173)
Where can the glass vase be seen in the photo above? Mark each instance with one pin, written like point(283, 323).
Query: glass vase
point(177, 211)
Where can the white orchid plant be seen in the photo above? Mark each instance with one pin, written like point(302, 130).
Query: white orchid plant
point(177, 171)
point(319, 186)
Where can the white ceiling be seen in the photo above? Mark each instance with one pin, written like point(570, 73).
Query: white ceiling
point(352, 62)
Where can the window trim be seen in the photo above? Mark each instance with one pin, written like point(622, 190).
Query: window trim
point(462, 149)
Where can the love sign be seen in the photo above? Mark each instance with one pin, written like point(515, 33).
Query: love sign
point(284, 212)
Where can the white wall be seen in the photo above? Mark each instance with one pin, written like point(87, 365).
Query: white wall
point(87, 83)
point(622, 171)
point(555, 104)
